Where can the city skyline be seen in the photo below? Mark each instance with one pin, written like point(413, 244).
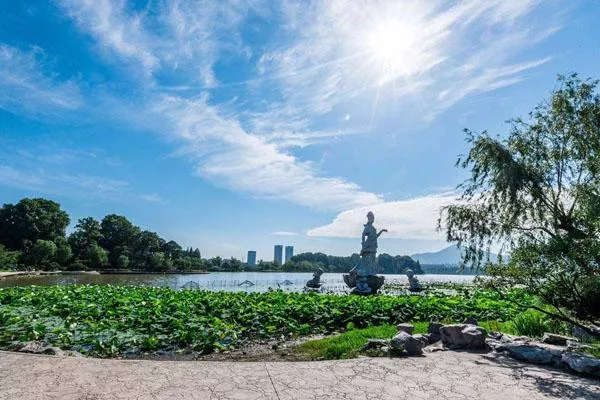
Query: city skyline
point(230, 126)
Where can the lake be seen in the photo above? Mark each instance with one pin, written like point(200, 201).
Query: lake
point(228, 281)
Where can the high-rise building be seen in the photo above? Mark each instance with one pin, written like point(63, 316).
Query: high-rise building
point(278, 258)
point(289, 253)
point(251, 258)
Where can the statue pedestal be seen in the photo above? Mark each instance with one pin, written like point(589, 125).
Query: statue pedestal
point(364, 285)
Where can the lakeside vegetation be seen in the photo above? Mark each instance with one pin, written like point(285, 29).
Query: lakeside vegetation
point(33, 236)
point(113, 320)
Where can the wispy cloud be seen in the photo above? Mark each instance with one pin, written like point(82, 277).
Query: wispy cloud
point(284, 233)
point(27, 88)
point(329, 59)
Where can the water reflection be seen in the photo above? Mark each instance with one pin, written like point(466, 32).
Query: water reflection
point(227, 281)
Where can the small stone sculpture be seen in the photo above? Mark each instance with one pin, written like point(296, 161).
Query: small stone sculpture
point(315, 282)
point(362, 277)
point(413, 283)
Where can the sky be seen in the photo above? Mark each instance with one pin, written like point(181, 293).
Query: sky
point(237, 125)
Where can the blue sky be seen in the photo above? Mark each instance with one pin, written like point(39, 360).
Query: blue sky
point(237, 125)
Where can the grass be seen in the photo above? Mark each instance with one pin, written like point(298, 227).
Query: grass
point(349, 343)
point(346, 345)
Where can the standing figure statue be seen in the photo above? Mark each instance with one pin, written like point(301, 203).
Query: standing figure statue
point(362, 277)
point(315, 282)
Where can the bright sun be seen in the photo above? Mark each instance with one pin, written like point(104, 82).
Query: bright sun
point(392, 45)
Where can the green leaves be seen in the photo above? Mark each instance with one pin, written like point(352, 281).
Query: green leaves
point(111, 320)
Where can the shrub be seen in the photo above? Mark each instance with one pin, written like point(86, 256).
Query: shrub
point(531, 323)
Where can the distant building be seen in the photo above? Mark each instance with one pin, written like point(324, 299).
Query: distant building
point(278, 258)
point(251, 258)
point(289, 253)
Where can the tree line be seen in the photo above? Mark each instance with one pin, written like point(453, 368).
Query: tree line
point(33, 236)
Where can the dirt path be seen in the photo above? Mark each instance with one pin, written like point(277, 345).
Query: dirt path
point(439, 376)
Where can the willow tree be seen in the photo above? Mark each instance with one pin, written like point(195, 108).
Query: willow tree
point(536, 193)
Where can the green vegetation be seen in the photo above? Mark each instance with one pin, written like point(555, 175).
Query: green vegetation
point(111, 320)
point(32, 236)
point(346, 345)
point(537, 192)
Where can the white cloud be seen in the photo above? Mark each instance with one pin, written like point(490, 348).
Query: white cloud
point(336, 62)
point(227, 155)
point(76, 185)
point(26, 88)
point(115, 30)
point(405, 219)
point(284, 233)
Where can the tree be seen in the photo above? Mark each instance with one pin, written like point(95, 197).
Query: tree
point(123, 262)
point(30, 220)
point(40, 254)
point(9, 259)
point(97, 257)
point(118, 236)
point(537, 193)
point(63, 253)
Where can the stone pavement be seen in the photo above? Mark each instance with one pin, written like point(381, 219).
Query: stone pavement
point(439, 376)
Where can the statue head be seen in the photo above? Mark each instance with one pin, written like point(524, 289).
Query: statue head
point(410, 273)
point(370, 217)
point(319, 271)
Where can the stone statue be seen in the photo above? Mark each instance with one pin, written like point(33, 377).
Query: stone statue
point(315, 282)
point(413, 283)
point(362, 277)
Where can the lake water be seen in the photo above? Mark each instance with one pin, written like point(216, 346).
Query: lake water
point(228, 281)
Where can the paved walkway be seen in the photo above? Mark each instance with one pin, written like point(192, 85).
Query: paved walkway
point(439, 376)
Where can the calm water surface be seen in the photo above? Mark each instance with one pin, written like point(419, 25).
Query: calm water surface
point(228, 281)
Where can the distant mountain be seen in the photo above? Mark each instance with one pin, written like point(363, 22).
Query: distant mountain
point(448, 256)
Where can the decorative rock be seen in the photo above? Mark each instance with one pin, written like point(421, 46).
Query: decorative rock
point(582, 363)
point(531, 352)
point(432, 338)
point(424, 339)
point(374, 344)
point(434, 327)
point(463, 336)
point(434, 332)
point(404, 341)
point(559, 340)
point(408, 328)
point(36, 347)
point(580, 333)
point(574, 346)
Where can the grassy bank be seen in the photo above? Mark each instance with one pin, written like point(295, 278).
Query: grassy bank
point(111, 320)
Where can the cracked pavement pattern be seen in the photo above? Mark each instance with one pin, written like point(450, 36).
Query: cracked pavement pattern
point(439, 376)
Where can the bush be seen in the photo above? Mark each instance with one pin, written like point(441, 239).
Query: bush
point(77, 266)
point(531, 323)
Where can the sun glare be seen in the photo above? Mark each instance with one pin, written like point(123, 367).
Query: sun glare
point(391, 46)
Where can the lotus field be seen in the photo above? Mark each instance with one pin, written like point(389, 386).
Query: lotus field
point(112, 320)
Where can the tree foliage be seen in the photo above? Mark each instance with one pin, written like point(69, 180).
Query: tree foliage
point(537, 193)
point(30, 220)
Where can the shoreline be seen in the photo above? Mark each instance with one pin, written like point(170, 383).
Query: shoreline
point(8, 274)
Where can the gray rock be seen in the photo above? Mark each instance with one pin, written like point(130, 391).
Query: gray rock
point(582, 363)
point(405, 342)
point(580, 333)
point(559, 340)
point(461, 336)
point(408, 328)
point(374, 344)
point(424, 339)
point(532, 352)
point(575, 345)
point(434, 327)
point(432, 338)
point(37, 347)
